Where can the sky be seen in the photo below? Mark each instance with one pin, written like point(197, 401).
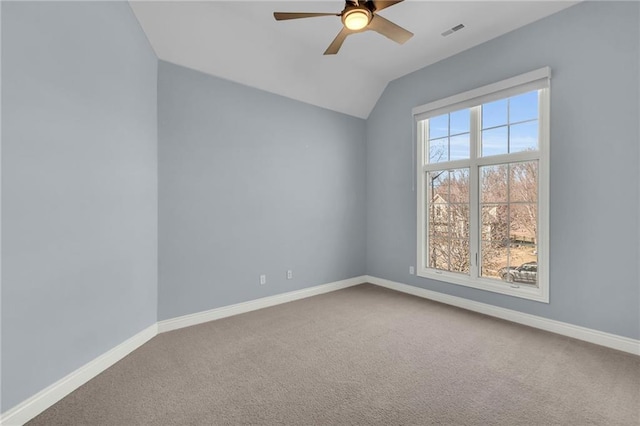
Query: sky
point(508, 125)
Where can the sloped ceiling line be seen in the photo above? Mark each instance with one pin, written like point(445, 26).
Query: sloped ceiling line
point(241, 41)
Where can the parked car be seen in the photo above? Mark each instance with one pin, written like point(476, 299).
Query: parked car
point(525, 273)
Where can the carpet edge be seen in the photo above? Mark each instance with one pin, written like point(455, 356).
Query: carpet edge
point(255, 304)
point(36, 404)
point(609, 340)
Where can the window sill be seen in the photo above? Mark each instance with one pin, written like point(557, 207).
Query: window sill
point(523, 291)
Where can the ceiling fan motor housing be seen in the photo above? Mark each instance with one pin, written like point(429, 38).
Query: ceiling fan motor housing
point(356, 18)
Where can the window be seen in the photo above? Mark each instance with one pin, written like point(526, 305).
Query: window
point(483, 176)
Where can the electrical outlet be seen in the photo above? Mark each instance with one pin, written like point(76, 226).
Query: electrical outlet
point(263, 279)
point(289, 274)
point(412, 270)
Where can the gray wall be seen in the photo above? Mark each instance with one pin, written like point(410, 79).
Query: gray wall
point(79, 188)
point(593, 51)
point(252, 183)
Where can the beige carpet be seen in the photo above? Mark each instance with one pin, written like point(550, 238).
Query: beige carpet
point(363, 355)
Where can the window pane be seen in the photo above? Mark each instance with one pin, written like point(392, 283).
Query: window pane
point(439, 126)
point(523, 181)
point(438, 253)
point(460, 147)
point(460, 122)
point(448, 220)
point(439, 150)
point(523, 137)
point(523, 225)
point(493, 183)
point(459, 255)
point(459, 186)
point(495, 223)
point(513, 263)
point(439, 220)
point(520, 272)
point(494, 114)
point(438, 186)
point(494, 141)
point(459, 220)
point(509, 229)
point(449, 137)
point(523, 107)
point(495, 256)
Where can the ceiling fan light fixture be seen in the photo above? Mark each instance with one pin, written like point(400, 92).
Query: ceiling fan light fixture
point(356, 19)
point(357, 16)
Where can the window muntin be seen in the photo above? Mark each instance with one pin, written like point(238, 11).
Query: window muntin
point(505, 238)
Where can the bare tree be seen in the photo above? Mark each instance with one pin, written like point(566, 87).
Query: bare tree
point(524, 190)
point(449, 220)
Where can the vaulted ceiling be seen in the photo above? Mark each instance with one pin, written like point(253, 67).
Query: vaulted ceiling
point(242, 42)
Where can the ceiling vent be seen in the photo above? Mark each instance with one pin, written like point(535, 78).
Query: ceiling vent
point(452, 30)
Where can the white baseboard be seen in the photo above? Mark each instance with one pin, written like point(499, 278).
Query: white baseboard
point(30, 408)
point(609, 340)
point(44, 399)
point(252, 305)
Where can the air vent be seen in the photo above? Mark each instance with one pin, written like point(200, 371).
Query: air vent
point(452, 30)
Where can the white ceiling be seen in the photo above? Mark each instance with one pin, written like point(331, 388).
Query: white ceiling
point(242, 42)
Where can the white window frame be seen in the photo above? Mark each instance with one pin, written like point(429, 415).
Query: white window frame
point(534, 80)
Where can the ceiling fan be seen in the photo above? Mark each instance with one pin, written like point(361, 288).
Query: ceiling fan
point(357, 16)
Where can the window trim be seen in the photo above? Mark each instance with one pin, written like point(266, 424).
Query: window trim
point(535, 80)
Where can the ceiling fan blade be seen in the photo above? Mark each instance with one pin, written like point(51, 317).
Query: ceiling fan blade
point(389, 29)
point(337, 42)
point(281, 16)
point(381, 4)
